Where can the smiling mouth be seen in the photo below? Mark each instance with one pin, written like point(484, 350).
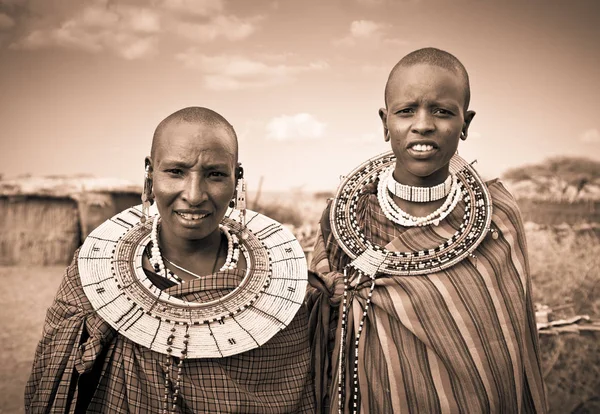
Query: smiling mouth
point(191, 217)
point(422, 147)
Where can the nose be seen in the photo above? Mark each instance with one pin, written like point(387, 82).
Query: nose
point(194, 192)
point(423, 123)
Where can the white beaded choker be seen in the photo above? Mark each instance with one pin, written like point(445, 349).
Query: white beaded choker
point(419, 194)
point(156, 258)
point(395, 214)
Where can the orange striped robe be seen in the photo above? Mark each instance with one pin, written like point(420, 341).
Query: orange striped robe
point(462, 340)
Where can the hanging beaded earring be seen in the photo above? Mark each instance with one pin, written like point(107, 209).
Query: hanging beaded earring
point(240, 194)
point(146, 194)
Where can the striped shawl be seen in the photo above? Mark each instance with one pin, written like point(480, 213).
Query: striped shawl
point(462, 340)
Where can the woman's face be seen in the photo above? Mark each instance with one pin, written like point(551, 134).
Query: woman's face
point(424, 120)
point(193, 172)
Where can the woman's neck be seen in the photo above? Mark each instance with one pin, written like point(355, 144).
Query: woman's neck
point(404, 177)
point(419, 209)
point(185, 250)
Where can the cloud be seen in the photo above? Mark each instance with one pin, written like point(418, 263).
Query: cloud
point(6, 22)
point(361, 30)
point(365, 29)
point(591, 136)
point(193, 7)
point(368, 32)
point(128, 31)
point(232, 72)
point(228, 27)
point(128, 28)
point(293, 127)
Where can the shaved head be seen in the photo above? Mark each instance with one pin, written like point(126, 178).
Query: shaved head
point(434, 57)
point(195, 115)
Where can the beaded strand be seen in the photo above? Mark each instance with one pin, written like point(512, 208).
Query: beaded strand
point(168, 365)
point(418, 194)
point(342, 356)
point(395, 214)
point(156, 258)
point(475, 222)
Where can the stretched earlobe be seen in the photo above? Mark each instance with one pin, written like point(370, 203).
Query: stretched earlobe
point(147, 195)
point(239, 200)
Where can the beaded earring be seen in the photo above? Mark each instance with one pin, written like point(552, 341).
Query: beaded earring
point(240, 194)
point(146, 194)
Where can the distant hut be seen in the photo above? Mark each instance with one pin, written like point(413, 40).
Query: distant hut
point(44, 219)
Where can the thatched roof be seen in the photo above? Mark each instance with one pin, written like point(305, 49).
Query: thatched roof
point(65, 186)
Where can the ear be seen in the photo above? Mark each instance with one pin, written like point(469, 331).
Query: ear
point(383, 116)
point(148, 163)
point(469, 115)
point(148, 187)
point(239, 172)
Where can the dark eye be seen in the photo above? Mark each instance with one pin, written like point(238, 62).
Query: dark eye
point(174, 171)
point(442, 111)
point(217, 174)
point(405, 111)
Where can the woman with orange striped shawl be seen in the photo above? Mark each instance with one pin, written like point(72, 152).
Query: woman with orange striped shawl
point(422, 299)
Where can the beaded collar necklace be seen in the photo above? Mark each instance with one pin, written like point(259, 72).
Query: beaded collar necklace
point(418, 194)
point(157, 259)
point(265, 302)
point(395, 214)
point(370, 260)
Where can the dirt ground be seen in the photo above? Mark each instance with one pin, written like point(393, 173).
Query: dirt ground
point(27, 293)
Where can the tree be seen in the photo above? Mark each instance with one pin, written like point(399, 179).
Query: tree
point(575, 172)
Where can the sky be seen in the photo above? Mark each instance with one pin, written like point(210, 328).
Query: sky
point(83, 83)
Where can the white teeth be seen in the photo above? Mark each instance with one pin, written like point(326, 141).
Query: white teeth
point(422, 147)
point(192, 216)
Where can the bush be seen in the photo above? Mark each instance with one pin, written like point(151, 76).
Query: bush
point(565, 266)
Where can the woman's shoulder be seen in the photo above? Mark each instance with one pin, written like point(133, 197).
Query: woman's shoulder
point(500, 194)
point(71, 288)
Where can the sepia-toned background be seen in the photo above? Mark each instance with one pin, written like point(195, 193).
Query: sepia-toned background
point(83, 84)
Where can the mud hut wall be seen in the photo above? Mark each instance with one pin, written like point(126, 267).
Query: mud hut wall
point(126, 200)
point(96, 207)
point(38, 230)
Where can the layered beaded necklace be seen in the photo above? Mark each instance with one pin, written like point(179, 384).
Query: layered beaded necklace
point(419, 194)
point(395, 214)
point(265, 301)
point(156, 259)
point(370, 260)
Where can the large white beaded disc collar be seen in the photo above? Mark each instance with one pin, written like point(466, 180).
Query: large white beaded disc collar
point(371, 259)
point(265, 302)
